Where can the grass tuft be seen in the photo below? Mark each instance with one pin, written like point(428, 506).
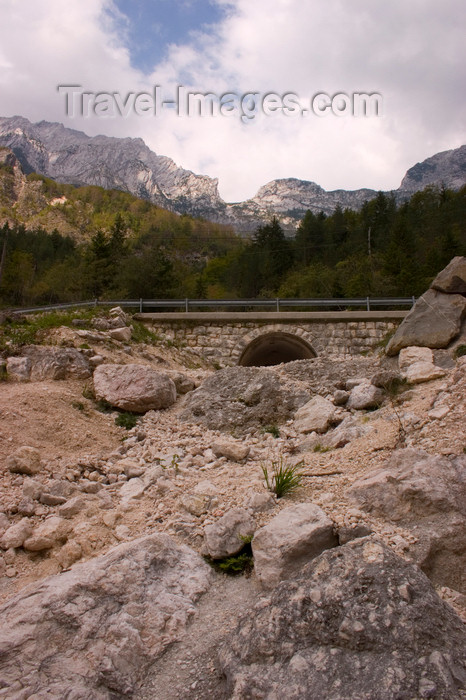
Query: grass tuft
point(273, 430)
point(126, 420)
point(321, 448)
point(284, 478)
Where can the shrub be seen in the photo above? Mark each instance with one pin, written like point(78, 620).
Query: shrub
point(284, 478)
point(460, 351)
point(273, 430)
point(240, 563)
point(141, 334)
point(126, 420)
point(104, 406)
point(321, 448)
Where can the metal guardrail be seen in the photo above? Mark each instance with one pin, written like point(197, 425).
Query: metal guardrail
point(189, 304)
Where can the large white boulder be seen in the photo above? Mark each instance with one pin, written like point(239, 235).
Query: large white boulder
point(315, 416)
point(135, 388)
point(93, 631)
point(291, 539)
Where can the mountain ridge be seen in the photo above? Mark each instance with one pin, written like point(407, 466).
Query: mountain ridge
point(70, 156)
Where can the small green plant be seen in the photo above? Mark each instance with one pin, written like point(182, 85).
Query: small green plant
point(103, 406)
point(284, 478)
point(321, 448)
point(247, 539)
point(174, 463)
point(126, 420)
point(141, 334)
point(460, 351)
point(239, 564)
point(78, 405)
point(272, 430)
point(88, 392)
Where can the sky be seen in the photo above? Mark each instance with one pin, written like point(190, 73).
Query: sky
point(276, 55)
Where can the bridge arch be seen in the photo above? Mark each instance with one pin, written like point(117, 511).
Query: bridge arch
point(272, 346)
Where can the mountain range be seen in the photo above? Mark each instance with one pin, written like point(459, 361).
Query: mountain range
point(71, 157)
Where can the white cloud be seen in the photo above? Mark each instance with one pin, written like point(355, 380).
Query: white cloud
point(412, 53)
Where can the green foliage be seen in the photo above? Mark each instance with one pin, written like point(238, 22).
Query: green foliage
point(126, 420)
point(239, 564)
point(284, 478)
point(321, 448)
point(28, 330)
point(460, 351)
point(142, 334)
point(103, 406)
point(273, 430)
point(128, 248)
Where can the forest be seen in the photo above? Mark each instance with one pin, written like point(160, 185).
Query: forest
point(141, 251)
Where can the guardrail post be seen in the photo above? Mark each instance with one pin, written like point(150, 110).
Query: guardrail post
point(140, 306)
point(414, 300)
point(96, 302)
point(368, 302)
point(278, 304)
point(187, 305)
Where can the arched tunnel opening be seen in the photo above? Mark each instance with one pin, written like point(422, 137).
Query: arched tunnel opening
point(275, 348)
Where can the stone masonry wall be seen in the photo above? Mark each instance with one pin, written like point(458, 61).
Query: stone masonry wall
point(225, 342)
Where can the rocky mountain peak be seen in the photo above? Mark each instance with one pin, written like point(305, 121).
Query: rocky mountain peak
point(447, 168)
point(127, 164)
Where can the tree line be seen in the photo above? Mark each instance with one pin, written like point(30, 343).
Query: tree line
point(385, 249)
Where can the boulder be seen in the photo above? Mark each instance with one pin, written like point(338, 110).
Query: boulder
point(182, 382)
point(56, 363)
point(93, 631)
point(291, 539)
point(26, 460)
point(135, 388)
point(386, 378)
point(243, 398)
point(70, 553)
point(72, 507)
point(426, 494)
point(234, 451)
point(51, 532)
point(349, 429)
point(123, 334)
point(15, 535)
point(420, 372)
point(4, 523)
point(226, 536)
point(357, 623)
point(258, 502)
point(18, 369)
point(132, 489)
point(413, 354)
point(340, 397)
point(417, 365)
point(452, 280)
point(434, 321)
point(195, 503)
point(317, 415)
point(365, 396)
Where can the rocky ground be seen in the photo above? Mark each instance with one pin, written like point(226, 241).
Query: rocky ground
point(87, 485)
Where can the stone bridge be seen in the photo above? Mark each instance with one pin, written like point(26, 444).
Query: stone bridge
point(268, 338)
